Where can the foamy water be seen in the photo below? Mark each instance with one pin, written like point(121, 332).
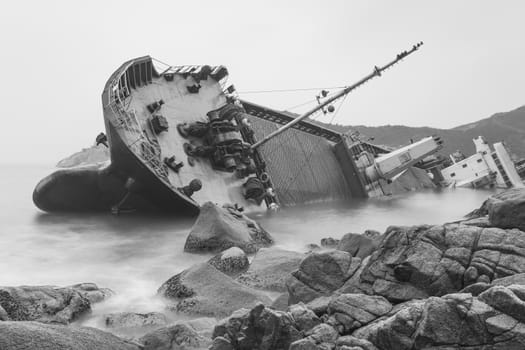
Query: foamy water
point(134, 254)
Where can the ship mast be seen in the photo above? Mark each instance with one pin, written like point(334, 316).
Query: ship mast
point(376, 73)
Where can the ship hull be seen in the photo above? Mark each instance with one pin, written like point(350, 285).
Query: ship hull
point(144, 182)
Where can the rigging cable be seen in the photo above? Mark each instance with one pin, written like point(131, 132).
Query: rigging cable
point(288, 90)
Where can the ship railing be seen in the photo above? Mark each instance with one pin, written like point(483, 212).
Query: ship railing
point(140, 145)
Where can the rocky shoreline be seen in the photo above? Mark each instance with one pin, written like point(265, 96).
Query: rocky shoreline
point(458, 285)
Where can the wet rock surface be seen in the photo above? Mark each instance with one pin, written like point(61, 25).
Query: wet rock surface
point(203, 290)
point(232, 261)
point(421, 261)
point(258, 328)
point(177, 336)
point(43, 303)
point(36, 335)
point(454, 286)
point(218, 229)
point(321, 274)
point(270, 268)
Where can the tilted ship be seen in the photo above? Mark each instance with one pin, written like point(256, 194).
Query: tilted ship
point(179, 136)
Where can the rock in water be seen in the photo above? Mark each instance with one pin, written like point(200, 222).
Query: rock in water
point(43, 303)
point(217, 229)
point(507, 209)
point(204, 290)
point(36, 335)
point(232, 261)
point(270, 268)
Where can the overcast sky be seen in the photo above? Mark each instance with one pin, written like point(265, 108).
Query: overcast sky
point(57, 55)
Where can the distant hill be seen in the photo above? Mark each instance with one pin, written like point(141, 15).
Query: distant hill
point(507, 126)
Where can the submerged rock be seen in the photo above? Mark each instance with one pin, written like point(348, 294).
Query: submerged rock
point(36, 335)
point(270, 268)
point(218, 229)
point(92, 292)
point(204, 290)
point(232, 261)
point(134, 320)
point(43, 303)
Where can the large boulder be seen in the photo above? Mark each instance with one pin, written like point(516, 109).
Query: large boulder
point(36, 335)
point(421, 261)
point(453, 321)
point(43, 303)
point(175, 337)
point(203, 290)
point(232, 261)
point(258, 328)
point(270, 268)
point(507, 209)
point(219, 228)
point(321, 274)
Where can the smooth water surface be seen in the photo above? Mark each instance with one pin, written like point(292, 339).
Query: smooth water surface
point(133, 254)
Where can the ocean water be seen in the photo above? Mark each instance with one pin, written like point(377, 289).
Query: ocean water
point(134, 254)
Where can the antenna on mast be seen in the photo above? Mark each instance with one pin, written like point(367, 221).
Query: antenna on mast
point(375, 73)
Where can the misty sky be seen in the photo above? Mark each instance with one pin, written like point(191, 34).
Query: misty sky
point(57, 55)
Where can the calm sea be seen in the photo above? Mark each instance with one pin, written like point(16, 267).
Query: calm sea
point(133, 254)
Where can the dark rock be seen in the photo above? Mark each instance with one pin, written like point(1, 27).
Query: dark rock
point(204, 290)
point(232, 261)
point(281, 302)
point(323, 335)
point(174, 337)
point(303, 344)
point(221, 343)
point(258, 328)
point(43, 303)
point(92, 292)
point(320, 305)
point(329, 242)
point(36, 335)
point(305, 319)
point(358, 245)
point(507, 209)
point(351, 311)
point(270, 268)
point(372, 234)
point(218, 229)
point(312, 247)
point(320, 274)
point(353, 342)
